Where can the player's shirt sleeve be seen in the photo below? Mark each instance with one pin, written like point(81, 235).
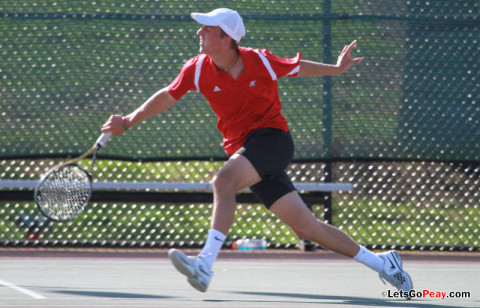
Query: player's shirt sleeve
point(282, 66)
point(184, 81)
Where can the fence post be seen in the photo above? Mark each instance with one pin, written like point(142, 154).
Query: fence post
point(327, 134)
point(327, 118)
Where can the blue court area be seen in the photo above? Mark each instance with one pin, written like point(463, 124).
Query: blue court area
point(146, 278)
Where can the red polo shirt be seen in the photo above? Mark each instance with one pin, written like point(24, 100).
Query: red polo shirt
point(243, 105)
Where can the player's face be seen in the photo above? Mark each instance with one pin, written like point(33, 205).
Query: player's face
point(211, 39)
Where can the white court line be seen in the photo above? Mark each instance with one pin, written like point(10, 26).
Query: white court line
point(20, 289)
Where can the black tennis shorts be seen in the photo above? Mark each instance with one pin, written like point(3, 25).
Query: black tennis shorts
point(270, 150)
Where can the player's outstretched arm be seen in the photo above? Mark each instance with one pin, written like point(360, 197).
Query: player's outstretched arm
point(157, 103)
point(344, 62)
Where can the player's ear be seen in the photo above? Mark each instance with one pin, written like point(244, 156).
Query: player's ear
point(227, 41)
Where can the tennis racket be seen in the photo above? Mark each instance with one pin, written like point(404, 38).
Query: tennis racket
point(63, 192)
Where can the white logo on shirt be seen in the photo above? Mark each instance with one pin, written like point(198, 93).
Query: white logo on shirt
point(217, 89)
point(252, 83)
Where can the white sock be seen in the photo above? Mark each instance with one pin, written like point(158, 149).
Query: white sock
point(212, 247)
point(368, 258)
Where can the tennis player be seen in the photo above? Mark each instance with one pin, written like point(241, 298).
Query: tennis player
point(241, 86)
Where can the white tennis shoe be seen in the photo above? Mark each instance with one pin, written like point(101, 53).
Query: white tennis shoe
point(393, 272)
point(197, 272)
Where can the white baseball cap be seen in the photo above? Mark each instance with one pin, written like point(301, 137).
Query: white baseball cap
point(227, 19)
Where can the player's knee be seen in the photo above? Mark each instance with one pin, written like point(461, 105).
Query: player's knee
point(302, 231)
point(224, 182)
point(307, 229)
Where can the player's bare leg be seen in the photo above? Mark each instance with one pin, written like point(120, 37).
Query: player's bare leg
point(292, 210)
point(235, 175)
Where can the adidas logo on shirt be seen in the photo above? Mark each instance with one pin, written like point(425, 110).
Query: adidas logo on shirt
point(252, 83)
point(217, 89)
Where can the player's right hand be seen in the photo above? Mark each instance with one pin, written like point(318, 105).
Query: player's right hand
point(114, 125)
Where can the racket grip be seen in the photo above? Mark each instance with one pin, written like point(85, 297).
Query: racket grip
point(103, 139)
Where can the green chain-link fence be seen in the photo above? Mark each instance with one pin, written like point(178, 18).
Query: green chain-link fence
point(403, 125)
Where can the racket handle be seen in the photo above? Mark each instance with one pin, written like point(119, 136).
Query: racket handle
point(103, 139)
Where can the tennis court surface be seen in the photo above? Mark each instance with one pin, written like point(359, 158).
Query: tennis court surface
point(38, 277)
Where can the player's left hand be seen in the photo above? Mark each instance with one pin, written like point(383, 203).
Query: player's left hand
point(345, 60)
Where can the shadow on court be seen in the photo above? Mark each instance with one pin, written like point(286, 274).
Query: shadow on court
point(341, 300)
point(104, 294)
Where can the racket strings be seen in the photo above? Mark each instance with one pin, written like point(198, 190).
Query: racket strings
point(65, 192)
